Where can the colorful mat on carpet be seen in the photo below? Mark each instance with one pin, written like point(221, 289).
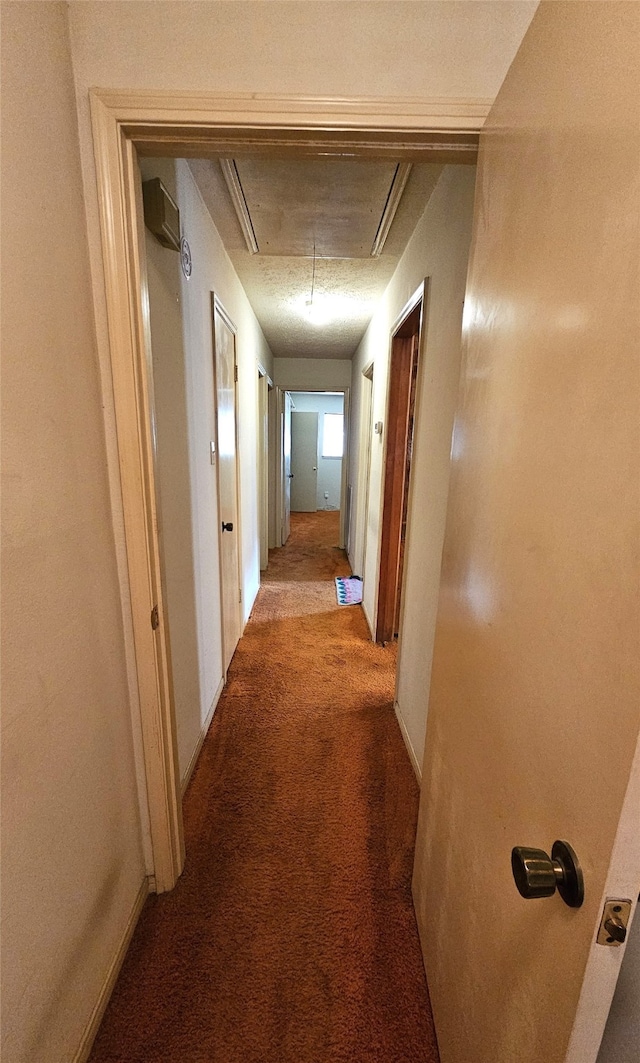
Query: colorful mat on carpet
point(348, 590)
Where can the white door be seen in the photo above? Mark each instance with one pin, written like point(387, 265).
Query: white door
point(225, 383)
point(304, 462)
point(534, 704)
point(286, 468)
point(263, 468)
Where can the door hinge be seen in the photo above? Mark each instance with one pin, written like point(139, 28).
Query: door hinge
point(240, 593)
point(235, 373)
point(155, 618)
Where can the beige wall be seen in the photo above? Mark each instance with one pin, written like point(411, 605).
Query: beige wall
point(439, 250)
point(181, 333)
point(384, 49)
point(213, 272)
point(171, 377)
point(536, 659)
point(296, 374)
point(72, 861)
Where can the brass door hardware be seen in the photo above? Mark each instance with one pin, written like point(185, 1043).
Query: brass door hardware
point(614, 922)
point(539, 875)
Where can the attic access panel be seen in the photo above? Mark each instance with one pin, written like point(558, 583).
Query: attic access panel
point(337, 202)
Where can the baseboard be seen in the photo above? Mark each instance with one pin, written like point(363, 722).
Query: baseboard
point(203, 734)
point(91, 1029)
point(369, 624)
point(407, 741)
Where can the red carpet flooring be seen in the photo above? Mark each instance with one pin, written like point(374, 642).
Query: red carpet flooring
point(291, 936)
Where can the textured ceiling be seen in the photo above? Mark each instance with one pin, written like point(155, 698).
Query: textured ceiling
point(336, 204)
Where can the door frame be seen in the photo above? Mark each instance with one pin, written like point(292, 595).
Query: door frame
point(280, 484)
point(389, 543)
point(265, 384)
point(346, 394)
point(197, 125)
point(364, 465)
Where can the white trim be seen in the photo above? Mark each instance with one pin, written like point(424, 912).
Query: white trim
point(409, 307)
point(368, 619)
point(407, 741)
point(264, 372)
point(120, 211)
point(262, 457)
point(91, 1029)
point(344, 472)
point(603, 965)
point(363, 470)
point(203, 734)
point(236, 191)
point(398, 186)
point(279, 464)
point(420, 294)
point(222, 110)
point(189, 125)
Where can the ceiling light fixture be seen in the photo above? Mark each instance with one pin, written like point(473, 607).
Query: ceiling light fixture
point(325, 308)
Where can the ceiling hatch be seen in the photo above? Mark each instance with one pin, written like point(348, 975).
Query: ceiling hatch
point(334, 227)
point(345, 209)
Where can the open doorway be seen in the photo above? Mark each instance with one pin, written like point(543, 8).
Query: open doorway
point(397, 135)
point(317, 451)
point(313, 456)
point(401, 404)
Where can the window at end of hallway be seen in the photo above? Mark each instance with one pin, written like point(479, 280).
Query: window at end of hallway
point(332, 435)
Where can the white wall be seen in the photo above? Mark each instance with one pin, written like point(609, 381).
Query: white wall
point(181, 332)
point(439, 250)
point(213, 272)
point(172, 372)
point(72, 856)
point(296, 374)
point(329, 469)
point(442, 49)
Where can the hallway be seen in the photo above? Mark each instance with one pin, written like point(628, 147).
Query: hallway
point(291, 936)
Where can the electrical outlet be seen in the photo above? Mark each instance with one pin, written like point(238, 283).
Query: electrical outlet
point(326, 494)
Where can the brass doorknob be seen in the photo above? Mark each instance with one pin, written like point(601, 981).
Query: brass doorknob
point(539, 875)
